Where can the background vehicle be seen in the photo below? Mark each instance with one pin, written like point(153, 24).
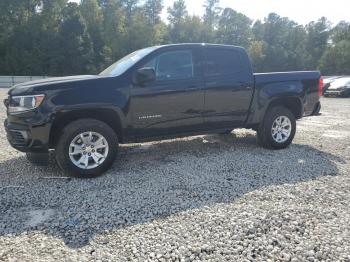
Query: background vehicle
point(339, 87)
point(327, 80)
point(153, 93)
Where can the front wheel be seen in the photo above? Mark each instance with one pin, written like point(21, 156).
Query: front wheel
point(278, 129)
point(87, 148)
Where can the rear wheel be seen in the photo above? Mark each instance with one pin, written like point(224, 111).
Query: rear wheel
point(317, 109)
point(278, 129)
point(87, 148)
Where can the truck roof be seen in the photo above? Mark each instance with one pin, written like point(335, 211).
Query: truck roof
point(198, 44)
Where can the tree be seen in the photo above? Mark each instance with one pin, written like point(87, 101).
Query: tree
point(75, 43)
point(129, 7)
point(336, 59)
point(176, 16)
point(257, 54)
point(283, 41)
point(340, 32)
point(32, 36)
point(177, 12)
point(138, 35)
point(317, 40)
point(212, 11)
point(57, 37)
point(93, 17)
point(114, 26)
point(234, 28)
point(152, 10)
point(192, 30)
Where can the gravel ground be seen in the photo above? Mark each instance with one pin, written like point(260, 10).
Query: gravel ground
point(204, 198)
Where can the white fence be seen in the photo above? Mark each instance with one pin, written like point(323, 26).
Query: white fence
point(8, 81)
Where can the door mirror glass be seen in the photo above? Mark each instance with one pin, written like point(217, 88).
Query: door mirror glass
point(144, 75)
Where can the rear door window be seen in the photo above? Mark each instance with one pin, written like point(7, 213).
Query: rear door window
point(222, 62)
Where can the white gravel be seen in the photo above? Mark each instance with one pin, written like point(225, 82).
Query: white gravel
point(207, 198)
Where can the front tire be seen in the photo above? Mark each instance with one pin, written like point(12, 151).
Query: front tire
point(87, 148)
point(278, 129)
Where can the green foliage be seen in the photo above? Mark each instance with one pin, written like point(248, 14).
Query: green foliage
point(341, 32)
point(257, 53)
point(56, 37)
point(336, 59)
point(178, 12)
point(279, 45)
point(317, 40)
point(152, 10)
point(212, 12)
point(234, 28)
point(93, 16)
point(75, 42)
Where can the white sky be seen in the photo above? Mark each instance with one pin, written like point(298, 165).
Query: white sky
point(301, 11)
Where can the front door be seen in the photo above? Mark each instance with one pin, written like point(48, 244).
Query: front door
point(174, 102)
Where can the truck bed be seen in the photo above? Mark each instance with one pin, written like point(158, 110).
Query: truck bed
point(303, 83)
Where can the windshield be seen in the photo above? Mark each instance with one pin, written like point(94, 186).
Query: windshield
point(126, 62)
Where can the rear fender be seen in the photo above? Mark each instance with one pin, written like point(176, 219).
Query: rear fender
point(290, 94)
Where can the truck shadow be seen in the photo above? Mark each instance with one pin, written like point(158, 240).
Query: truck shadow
point(150, 181)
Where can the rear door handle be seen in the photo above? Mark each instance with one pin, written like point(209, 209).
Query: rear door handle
point(245, 86)
point(191, 88)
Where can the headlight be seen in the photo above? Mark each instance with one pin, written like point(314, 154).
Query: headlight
point(24, 103)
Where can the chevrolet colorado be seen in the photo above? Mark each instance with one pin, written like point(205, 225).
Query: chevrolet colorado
point(155, 93)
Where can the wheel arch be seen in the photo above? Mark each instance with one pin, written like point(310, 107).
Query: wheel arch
point(258, 113)
point(291, 103)
point(106, 115)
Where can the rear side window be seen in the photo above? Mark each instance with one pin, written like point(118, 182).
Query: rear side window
point(222, 62)
point(173, 65)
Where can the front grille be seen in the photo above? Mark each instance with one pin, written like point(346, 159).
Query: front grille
point(17, 137)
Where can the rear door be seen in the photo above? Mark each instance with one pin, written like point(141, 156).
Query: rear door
point(229, 87)
point(174, 102)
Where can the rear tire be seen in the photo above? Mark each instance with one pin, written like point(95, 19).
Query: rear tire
point(317, 110)
point(87, 148)
point(38, 159)
point(278, 129)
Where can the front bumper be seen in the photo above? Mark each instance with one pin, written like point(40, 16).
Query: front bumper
point(26, 137)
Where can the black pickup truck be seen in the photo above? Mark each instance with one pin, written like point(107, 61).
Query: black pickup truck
point(151, 94)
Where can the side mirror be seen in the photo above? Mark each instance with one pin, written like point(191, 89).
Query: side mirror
point(144, 75)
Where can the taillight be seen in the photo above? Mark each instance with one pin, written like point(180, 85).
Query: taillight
point(320, 87)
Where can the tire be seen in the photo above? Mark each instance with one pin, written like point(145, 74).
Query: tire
point(38, 159)
point(317, 110)
point(89, 131)
point(265, 131)
point(346, 94)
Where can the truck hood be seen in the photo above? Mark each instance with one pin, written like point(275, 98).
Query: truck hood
point(48, 83)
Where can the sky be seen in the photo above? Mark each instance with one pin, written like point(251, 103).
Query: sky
point(301, 11)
